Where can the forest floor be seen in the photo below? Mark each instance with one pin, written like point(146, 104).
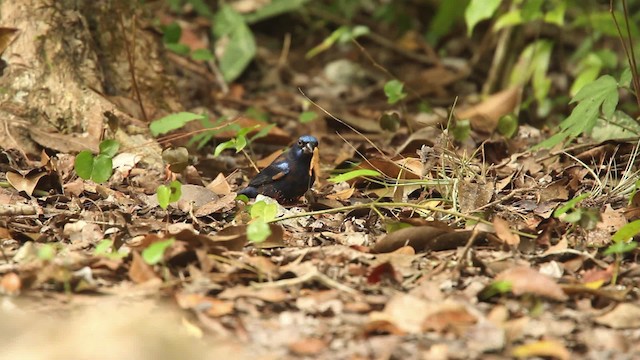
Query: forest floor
point(460, 247)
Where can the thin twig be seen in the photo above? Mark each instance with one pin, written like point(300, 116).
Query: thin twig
point(131, 58)
point(392, 205)
point(631, 58)
point(312, 275)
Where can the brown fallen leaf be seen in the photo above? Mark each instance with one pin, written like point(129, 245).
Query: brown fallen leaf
point(405, 311)
point(449, 316)
point(504, 232)
point(7, 35)
point(484, 116)
point(139, 271)
point(623, 316)
point(27, 182)
point(273, 295)
point(307, 346)
point(525, 280)
point(206, 304)
point(221, 204)
point(424, 238)
point(220, 185)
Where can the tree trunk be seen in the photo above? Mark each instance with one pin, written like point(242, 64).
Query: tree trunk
point(66, 74)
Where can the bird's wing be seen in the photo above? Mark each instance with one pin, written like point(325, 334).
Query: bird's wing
point(277, 169)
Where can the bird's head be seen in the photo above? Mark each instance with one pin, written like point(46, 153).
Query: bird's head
point(306, 144)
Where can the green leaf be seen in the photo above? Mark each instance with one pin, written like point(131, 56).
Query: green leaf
point(201, 7)
point(263, 132)
point(531, 10)
point(625, 77)
point(479, 10)
point(511, 18)
point(258, 231)
point(103, 247)
point(556, 14)
point(448, 15)
point(601, 96)
point(154, 253)
point(495, 288)
point(390, 121)
point(570, 205)
point(84, 164)
point(274, 8)
point(263, 210)
point(620, 126)
point(179, 48)
point(393, 90)
point(241, 143)
point(102, 168)
point(229, 26)
point(627, 232)
point(163, 193)
point(508, 125)
point(621, 248)
point(307, 116)
point(328, 42)
point(202, 55)
point(230, 144)
point(533, 64)
point(462, 130)
point(176, 191)
point(172, 122)
point(354, 174)
point(109, 147)
point(46, 252)
point(171, 33)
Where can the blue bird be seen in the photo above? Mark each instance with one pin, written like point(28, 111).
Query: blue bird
point(289, 176)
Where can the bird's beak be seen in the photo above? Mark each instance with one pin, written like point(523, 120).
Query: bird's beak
point(308, 148)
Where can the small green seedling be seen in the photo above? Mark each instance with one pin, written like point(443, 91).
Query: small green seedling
point(394, 91)
point(97, 167)
point(240, 141)
point(169, 194)
point(105, 249)
point(569, 212)
point(46, 252)
point(154, 253)
point(622, 244)
point(495, 288)
point(261, 214)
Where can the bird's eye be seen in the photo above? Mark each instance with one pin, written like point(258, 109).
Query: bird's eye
point(300, 142)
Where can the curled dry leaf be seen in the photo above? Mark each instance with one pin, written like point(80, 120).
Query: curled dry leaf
point(424, 238)
point(485, 116)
